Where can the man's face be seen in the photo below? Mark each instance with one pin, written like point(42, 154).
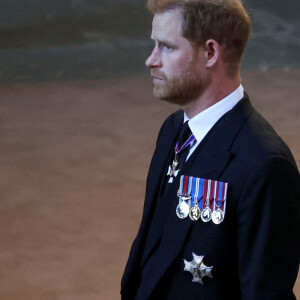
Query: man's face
point(178, 68)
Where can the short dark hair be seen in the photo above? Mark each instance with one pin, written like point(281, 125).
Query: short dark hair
point(225, 21)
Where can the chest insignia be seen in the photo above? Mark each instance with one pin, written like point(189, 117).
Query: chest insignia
point(203, 199)
point(197, 268)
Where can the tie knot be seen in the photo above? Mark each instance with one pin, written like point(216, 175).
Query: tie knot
point(184, 134)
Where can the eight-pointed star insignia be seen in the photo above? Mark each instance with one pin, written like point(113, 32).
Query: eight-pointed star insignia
point(197, 268)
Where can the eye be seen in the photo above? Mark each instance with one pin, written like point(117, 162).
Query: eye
point(166, 47)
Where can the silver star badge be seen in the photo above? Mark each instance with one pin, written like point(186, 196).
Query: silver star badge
point(197, 268)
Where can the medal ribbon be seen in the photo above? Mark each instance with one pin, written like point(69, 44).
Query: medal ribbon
point(208, 195)
point(197, 187)
point(220, 195)
point(185, 187)
point(180, 191)
point(224, 195)
point(185, 144)
point(217, 194)
point(204, 193)
point(211, 194)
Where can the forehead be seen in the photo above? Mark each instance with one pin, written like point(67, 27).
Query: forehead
point(167, 25)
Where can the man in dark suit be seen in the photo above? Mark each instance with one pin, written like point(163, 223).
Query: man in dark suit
point(221, 214)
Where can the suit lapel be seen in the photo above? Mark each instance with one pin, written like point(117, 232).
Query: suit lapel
point(165, 142)
point(158, 178)
point(208, 161)
point(155, 178)
point(158, 165)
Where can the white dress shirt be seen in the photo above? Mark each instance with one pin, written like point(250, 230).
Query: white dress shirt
point(201, 124)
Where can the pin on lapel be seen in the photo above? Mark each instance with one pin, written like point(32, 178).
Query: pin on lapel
point(197, 268)
point(172, 170)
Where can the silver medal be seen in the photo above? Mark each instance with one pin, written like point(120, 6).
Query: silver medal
point(182, 210)
point(195, 213)
point(218, 216)
point(206, 214)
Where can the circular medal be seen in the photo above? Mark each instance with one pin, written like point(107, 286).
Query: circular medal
point(206, 214)
point(218, 216)
point(182, 210)
point(195, 213)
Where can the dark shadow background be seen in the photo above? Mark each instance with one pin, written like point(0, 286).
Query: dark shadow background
point(55, 40)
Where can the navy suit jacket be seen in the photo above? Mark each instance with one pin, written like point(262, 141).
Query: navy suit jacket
point(255, 251)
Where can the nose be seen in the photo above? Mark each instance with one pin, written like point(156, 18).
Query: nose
point(154, 59)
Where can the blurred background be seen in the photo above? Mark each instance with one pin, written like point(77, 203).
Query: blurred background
point(94, 39)
point(78, 126)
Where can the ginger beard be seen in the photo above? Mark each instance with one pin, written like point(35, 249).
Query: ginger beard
point(182, 88)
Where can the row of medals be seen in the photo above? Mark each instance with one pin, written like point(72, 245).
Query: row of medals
point(183, 210)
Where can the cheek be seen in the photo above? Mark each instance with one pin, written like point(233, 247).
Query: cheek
point(176, 66)
point(177, 62)
point(186, 59)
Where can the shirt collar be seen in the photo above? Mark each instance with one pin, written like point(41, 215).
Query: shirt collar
point(205, 120)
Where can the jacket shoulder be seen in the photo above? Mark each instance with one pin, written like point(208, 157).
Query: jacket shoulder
point(173, 119)
point(257, 141)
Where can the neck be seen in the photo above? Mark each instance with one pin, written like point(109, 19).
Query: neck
point(215, 92)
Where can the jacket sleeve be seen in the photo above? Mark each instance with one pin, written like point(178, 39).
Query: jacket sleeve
point(268, 231)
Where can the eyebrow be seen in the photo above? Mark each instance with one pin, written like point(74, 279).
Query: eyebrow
point(164, 41)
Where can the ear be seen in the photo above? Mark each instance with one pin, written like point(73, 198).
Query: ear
point(212, 52)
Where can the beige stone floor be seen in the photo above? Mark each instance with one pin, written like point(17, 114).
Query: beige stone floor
point(74, 158)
